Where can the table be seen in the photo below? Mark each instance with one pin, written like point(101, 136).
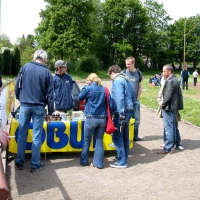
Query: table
point(61, 136)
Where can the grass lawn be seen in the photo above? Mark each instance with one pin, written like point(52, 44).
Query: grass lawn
point(191, 98)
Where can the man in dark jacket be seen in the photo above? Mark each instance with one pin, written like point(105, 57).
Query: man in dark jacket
point(63, 84)
point(34, 90)
point(172, 102)
point(185, 75)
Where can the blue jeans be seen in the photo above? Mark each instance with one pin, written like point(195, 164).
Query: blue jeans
point(177, 141)
point(136, 116)
point(96, 127)
point(37, 113)
point(177, 137)
point(170, 125)
point(120, 140)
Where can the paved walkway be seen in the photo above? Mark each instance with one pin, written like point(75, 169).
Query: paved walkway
point(148, 176)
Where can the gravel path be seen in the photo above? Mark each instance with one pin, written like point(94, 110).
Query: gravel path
point(148, 176)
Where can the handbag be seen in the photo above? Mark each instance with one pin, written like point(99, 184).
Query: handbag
point(110, 127)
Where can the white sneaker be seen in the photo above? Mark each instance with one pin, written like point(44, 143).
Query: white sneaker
point(162, 145)
point(180, 148)
point(116, 165)
point(111, 145)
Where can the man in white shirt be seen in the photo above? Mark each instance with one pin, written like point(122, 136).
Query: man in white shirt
point(195, 75)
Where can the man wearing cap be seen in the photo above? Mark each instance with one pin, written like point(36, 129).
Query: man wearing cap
point(63, 84)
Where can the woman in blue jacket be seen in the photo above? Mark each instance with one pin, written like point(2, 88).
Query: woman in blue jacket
point(95, 112)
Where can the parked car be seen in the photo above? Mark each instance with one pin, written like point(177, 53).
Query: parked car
point(79, 105)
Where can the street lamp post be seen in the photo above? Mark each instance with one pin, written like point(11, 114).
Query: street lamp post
point(185, 34)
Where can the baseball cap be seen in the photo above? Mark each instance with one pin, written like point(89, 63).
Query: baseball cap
point(60, 63)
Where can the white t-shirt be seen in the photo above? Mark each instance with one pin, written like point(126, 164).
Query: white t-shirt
point(195, 74)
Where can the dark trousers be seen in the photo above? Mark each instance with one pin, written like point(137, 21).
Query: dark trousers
point(185, 83)
point(195, 81)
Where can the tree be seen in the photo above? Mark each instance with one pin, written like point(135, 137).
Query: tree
point(175, 36)
point(7, 57)
point(5, 41)
point(27, 46)
point(157, 40)
point(136, 28)
point(1, 64)
point(65, 30)
point(16, 62)
point(193, 40)
point(121, 19)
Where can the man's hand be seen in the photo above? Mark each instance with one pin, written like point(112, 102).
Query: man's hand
point(49, 119)
point(4, 138)
point(122, 117)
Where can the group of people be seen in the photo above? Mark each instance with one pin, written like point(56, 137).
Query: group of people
point(55, 93)
point(184, 76)
point(45, 90)
point(155, 80)
point(124, 104)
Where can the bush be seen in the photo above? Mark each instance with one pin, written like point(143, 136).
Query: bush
point(71, 66)
point(89, 64)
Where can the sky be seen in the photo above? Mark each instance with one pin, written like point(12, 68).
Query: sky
point(20, 17)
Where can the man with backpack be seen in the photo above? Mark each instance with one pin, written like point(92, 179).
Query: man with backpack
point(121, 104)
point(135, 78)
point(185, 75)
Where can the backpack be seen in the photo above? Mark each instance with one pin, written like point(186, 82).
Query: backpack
point(139, 74)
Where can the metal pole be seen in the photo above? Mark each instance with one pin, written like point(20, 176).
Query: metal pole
point(185, 34)
point(184, 44)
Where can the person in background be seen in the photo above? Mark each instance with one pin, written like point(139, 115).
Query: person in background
point(34, 90)
point(171, 103)
point(121, 103)
point(96, 115)
point(195, 75)
point(185, 75)
point(135, 78)
point(63, 84)
point(4, 139)
point(181, 78)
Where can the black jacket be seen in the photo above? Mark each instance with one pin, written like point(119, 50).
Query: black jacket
point(172, 95)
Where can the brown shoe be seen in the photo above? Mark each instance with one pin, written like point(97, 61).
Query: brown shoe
point(162, 152)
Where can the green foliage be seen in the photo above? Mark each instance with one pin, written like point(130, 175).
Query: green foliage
point(124, 26)
point(26, 48)
point(71, 66)
point(65, 30)
point(193, 40)
point(190, 112)
point(4, 41)
point(16, 61)
point(89, 64)
point(7, 57)
point(157, 41)
point(1, 64)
